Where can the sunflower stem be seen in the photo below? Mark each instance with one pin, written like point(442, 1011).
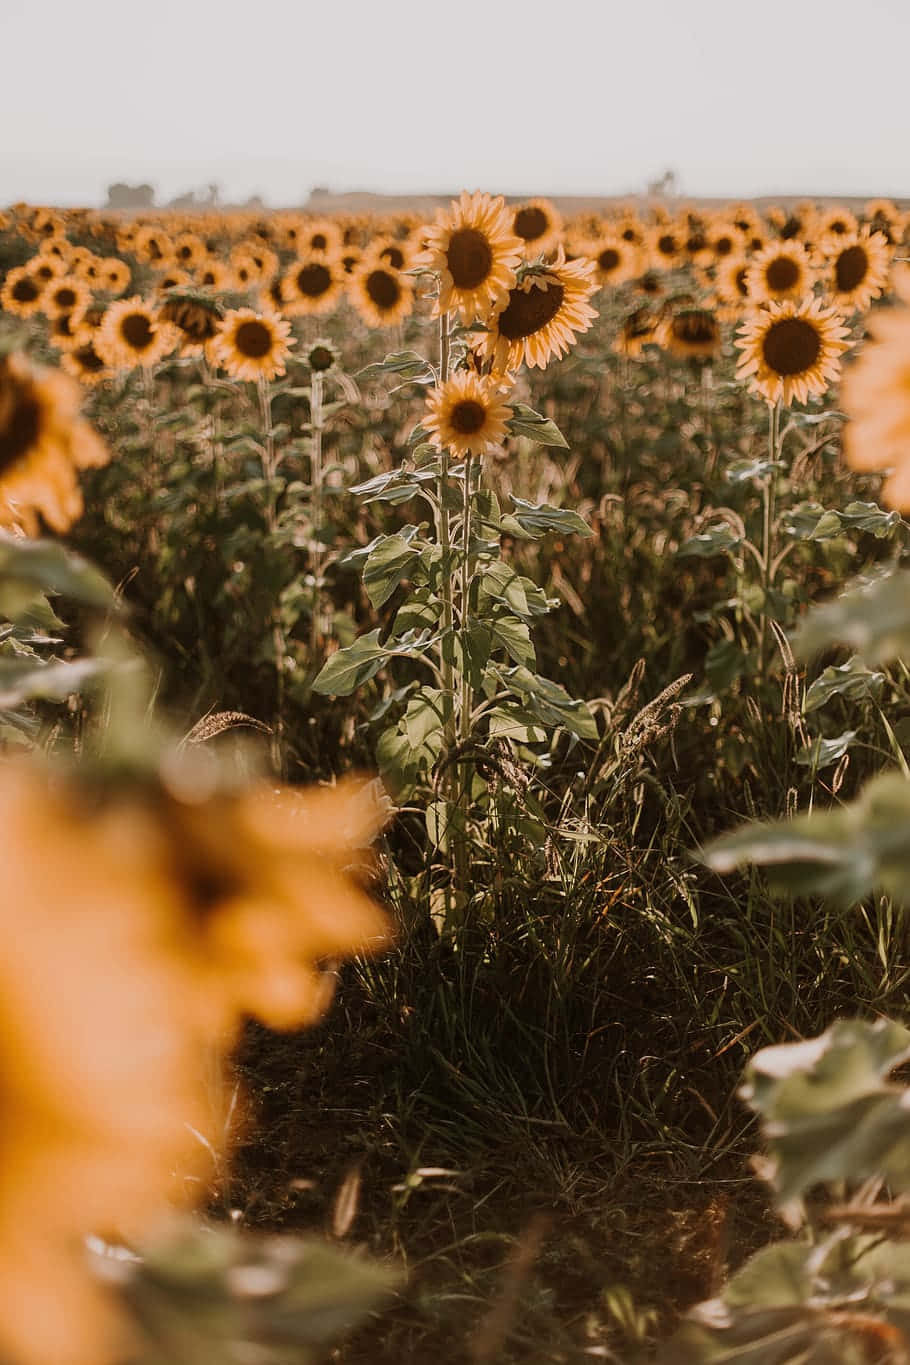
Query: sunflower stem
point(769, 500)
point(316, 505)
point(271, 519)
point(447, 652)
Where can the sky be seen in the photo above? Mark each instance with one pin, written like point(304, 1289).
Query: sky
point(273, 97)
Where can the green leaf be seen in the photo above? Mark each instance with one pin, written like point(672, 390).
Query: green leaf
point(515, 723)
point(345, 670)
point(724, 663)
point(526, 422)
point(828, 1110)
point(844, 853)
point(514, 637)
point(821, 753)
point(407, 365)
point(423, 717)
point(548, 702)
point(872, 618)
point(390, 560)
point(28, 679)
point(53, 568)
point(851, 680)
point(536, 519)
point(810, 521)
point(716, 540)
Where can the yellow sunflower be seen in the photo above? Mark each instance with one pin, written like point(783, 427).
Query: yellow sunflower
point(213, 274)
point(43, 442)
point(835, 222)
point(173, 279)
point(783, 270)
point(382, 296)
point(467, 414)
point(114, 275)
point(544, 312)
point(538, 225)
point(313, 285)
point(790, 351)
point(475, 253)
point(387, 250)
point(691, 333)
point(63, 331)
point(65, 294)
point(875, 394)
point(665, 243)
point(251, 345)
point(320, 234)
point(133, 334)
point(22, 292)
point(47, 265)
point(83, 362)
point(731, 281)
point(189, 250)
point(860, 264)
point(615, 260)
point(154, 246)
point(881, 215)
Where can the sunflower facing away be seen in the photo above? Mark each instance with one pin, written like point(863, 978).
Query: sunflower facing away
point(859, 266)
point(43, 442)
point(544, 312)
point(475, 253)
point(251, 345)
point(132, 333)
point(691, 333)
point(382, 296)
point(467, 414)
point(790, 351)
point(875, 394)
point(782, 270)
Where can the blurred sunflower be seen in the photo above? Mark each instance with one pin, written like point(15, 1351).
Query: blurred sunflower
point(114, 275)
point(65, 294)
point(882, 215)
point(320, 234)
point(538, 225)
point(154, 246)
point(214, 274)
point(322, 356)
point(132, 334)
point(731, 281)
point(49, 265)
point(63, 331)
point(475, 253)
point(783, 270)
point(251, 345)
point(84, 363)
point(615, 260)
point(313, 285)
point(22, 292)
point(691, 333)
point(43, 442)
point(467, 414)
point(637, 331)
point(196, 316)
point(790, 351)
point(834, 222)
point(382, 296)
point(875, 394)
point(545, 311)
point(666, 246)
point(859, 265)
point(189, 250)
point(389, 251)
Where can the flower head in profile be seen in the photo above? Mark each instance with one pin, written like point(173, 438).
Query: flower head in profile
point(43, 443)
point(467, 414)
point(542, 315)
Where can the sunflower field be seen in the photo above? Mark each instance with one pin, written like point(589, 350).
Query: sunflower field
point(455, 784)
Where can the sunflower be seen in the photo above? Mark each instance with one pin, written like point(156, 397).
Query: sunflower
point(724, 239)
point(615, 260)
point(173, 279)
point(467, 414)
point(214, 274)
point(251, 345)
point(638, 330)
point(475, 253)
point(87, 266)
point(835, 222)
point(65, 294)
point(320, 234)
point(544, 312)
point(47, 265)
point(64, 331)
point(313, 285)
point(538, 225)
point(322, 356)
point(114, 275)
point(382, 296)
point(881, 215)
point(43, 442)
point(666, 246)
point(790, 351)
point(859, 264)
point(691, 333)
point(22, 292)
point(132, 334)
point(197, 316)
point(875, 394)
point(99, 1063)
point(386, 250)
point(189, 250)
point(154, 246)
point(783, 270)
point(731, 283)
point(83, 362)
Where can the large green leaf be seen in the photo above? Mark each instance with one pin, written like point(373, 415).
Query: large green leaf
point(852, 681)
point(28, 679)
point(347, 669)
point(53, 568)
point(716, 540)
point(526, 422)
point(531, 520)
point(390, 560)
point(872, 618)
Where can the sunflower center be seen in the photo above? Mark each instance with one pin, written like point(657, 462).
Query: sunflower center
point(723, 246)
point(695, 326)
point(740, 280)
point(137, 331)
point(529, 311)
point(383, 289)
point(314, 279)
point(253, 339)
point(791, 228)
point(320, 358)
point(89, 359)
point(20, 432)
point(666, 244)
point(467, 416)
point(469, 258)
point(319, 241)
point(850, 269)
point(783, 273)
point(394, 256)
point(791, 346)
point(531, 223)
point(608, 259)
point(25, 290)
point(65, 298)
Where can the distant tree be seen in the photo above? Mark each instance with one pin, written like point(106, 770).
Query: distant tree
point(122, 196)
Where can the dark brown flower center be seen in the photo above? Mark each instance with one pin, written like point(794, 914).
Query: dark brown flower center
point(791, 346)
point(781, 274)
point(320, 358)
point(531, 223)
point(45, 272)
point(25, 290)
point(253, 339)
point(608, 259)
point(723, 246)
point(469, 258)
point(319, 241)
point(791, 228)
point(666, 244)
point(65, 297)
point(467, 416)
point(20, 423)
point(89, 359)
point(137, 331)
point(851, 268)
point(383, 289)
point(394, 256)
point(529, 311)
point(314, 279)
point(695, 327)
point(696, 241)
point(740, 280)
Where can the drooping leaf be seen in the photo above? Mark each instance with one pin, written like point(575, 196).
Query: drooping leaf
point(536, 519)
point(716, 540)
point(821, 753)
point(53, 568)
point(526, 422)
point(851, 680)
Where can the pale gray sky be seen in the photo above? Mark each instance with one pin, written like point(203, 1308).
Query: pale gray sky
point(570, 96)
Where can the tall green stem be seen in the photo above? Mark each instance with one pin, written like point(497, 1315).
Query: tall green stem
point(269, 471)
point(316, 506)
point(769, 500)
